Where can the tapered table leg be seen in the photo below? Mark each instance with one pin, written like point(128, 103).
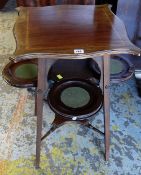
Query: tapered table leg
point(35, 110)
point(39, 106)
point(106, 83)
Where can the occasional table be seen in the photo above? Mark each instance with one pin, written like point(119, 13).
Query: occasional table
point(70, 32)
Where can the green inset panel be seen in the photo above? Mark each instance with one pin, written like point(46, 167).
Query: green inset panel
point(116, 66)
point(26, 71)
point(75, 97)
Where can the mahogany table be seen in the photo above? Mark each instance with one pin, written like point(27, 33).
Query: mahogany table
point(70, 32)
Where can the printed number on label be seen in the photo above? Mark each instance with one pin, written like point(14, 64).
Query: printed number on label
point(78, 51)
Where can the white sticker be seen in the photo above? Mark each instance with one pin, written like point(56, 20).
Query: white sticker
point(74, 118)
point(78, 51)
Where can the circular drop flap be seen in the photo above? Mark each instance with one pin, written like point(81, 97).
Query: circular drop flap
point(22, 74)
point(121, 69)
point(75, 98)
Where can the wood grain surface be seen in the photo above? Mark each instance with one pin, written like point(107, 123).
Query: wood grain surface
point(61, 29)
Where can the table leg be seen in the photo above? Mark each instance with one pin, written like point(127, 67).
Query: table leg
point(35, 111)
point(106, 83)
point(39, 106)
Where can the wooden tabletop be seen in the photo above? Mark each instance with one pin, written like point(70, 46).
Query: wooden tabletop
point(62, 28)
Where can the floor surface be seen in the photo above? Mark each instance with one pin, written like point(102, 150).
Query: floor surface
point(72, 149)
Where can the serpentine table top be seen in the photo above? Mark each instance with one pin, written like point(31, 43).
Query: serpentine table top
point(59, 30)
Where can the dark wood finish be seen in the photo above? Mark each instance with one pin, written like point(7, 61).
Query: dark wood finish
point(126, 72)
point(92, 107)
point(97, 33)
point(106, 82)
point(39, 106)
point(54, 32)
point(11, 78)
point(59, 121)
